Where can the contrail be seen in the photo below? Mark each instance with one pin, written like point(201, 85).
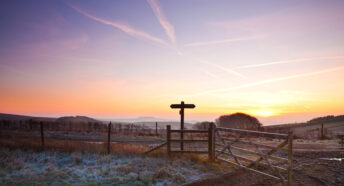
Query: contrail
point(289, 61)
point(125, 28)
point(210, 74)
point(158, 11)
point(169, 29)
point(253, 84)
point(217, 66)
point(223, 41)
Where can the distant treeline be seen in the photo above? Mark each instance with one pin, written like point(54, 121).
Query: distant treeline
point(87, 127)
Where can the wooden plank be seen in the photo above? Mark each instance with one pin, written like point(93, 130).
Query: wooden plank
point(251, 160)
point(284, 160)
point(190, 131)
point(155, 148)
point(253, 143)
point(189, 151)
point(175, 106)
point(188, 140)
point(249, 169)
point(251, 132)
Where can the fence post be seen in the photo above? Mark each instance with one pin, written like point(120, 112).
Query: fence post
point(109, 134)
point(290, 158)
point(156, 128)
point(322, 131)
point(42, 134)
point(211, 141)
point(168, 127)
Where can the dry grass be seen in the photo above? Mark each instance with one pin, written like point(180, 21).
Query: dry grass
point(33, 142)
point(25, 142)
point(27, 167)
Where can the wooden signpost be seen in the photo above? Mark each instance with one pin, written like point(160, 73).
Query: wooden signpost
point(182, 106)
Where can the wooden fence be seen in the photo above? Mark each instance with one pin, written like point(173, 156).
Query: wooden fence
point(181, 141)
point(249, 150)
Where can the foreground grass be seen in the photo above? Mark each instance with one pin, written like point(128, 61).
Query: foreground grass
point(28, 167)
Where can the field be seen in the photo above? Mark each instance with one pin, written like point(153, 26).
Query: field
point(310, 130)
point(26, 167)
point(331, 129)
point(79, 157)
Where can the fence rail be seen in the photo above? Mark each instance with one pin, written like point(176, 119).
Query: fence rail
point(250, 132)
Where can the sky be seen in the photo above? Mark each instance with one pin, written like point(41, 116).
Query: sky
point(281, 61)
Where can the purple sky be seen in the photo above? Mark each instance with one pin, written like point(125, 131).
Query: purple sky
point(282, 61)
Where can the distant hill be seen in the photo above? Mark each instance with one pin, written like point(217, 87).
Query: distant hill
point(14, 117)
point(326, 119)
point(333, 124)
point(65, 119)
point(76, 119)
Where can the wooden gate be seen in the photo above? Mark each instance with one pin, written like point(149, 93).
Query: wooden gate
point(208, 140)
point(245, 149)
point(251, 149)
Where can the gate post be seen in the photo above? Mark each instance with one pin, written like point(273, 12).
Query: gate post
point(168, 127)
point(42, 134)
point(109, 134)
point(211, 141)
point(290, 158)
point(156, 128)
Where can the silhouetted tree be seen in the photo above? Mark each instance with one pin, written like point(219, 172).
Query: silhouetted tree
point(239, 120)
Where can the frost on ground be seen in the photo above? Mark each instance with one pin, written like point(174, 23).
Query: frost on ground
point(26, 167)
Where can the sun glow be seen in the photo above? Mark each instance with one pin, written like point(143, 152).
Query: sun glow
point(265, 113)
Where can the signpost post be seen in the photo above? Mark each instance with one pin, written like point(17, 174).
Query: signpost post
point(182, 106)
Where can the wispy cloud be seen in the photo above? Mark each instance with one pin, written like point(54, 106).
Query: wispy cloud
point(123, 27)
point(215, 42)
point(272, 80)
point(289, 61)
point(203, 61)
point(211, 74)
point(168, 27)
